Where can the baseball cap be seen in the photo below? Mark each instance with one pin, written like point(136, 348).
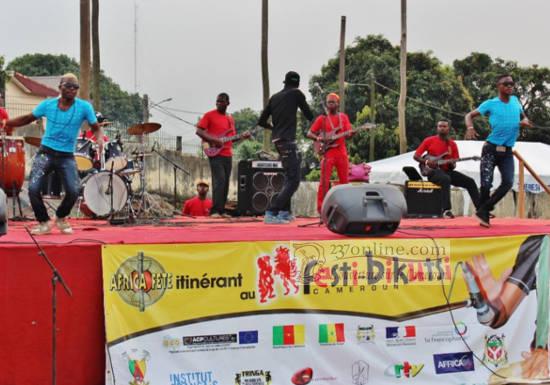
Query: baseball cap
point(292, 77)
point(203, 182)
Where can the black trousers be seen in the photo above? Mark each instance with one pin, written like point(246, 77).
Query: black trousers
point(447, 178)
point(220, 167)
point(291, 159)
point(491, 159)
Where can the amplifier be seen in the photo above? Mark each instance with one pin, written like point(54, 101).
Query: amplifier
point(424, 199)
point(259, 182)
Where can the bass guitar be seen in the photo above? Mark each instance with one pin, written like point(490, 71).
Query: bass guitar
point(211, 150)
point(320, 147)
point(425, 170)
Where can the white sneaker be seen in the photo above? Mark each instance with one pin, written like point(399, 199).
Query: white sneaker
point(41, 228)
point(63, 226)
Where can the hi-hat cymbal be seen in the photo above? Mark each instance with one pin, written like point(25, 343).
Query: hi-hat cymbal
point(143, 128)
point(33, 140)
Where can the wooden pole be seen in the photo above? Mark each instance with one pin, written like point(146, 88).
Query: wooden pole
point(265, 67)
point(403, 76)
point(342, 67)
point(85, 49)
point(521, 190)
point(96, 61)
point(532, 172)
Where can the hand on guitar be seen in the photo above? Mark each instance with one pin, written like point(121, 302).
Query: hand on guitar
point(215, 142)
point(431, 163)
point(245, 135)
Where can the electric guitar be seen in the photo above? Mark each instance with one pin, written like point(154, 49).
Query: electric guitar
point(425, 170)
point(320, 147)
point(211, 150)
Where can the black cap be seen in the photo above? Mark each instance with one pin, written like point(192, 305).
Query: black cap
point(100, 118)
point(292, 78)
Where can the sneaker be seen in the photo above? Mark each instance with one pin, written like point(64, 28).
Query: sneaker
point(483, 218)
point(271, 219)
point(215, 215)
point(286, 216)
point(41, 228)
point(63, 226)
point(492, 216)
point(225, 215)
point(448, 214)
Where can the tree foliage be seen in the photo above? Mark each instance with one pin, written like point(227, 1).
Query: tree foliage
point(117, 104)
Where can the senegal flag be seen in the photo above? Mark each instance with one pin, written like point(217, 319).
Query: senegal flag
point(288, 335)
point(331, 333)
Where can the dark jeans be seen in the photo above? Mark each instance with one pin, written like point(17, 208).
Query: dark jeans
point(220, 167)
point(291, 159)
point(447, 178)
point(46, 161)
point(491, 158)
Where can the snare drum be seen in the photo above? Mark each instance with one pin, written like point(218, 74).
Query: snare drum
point(114, 157)
point(97, 193)
point(85, 154)
point(12, 163)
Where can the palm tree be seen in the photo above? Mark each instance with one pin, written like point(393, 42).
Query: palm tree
point(85, 49)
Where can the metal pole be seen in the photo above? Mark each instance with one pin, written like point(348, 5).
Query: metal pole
point(372, 133)
point(403, 76)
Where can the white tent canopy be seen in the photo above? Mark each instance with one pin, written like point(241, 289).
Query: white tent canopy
point(537, 155)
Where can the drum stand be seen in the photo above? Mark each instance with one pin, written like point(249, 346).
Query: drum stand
point(14, 197)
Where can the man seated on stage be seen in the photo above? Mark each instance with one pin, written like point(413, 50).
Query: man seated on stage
point(334, 154)
point(65, 115)
point(444, 175)
point(200, 205)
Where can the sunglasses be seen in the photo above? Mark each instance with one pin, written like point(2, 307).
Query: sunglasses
point(71, 86)
point(508, 84)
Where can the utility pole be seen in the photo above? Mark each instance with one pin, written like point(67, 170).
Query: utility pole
point(85, 49)
point(372, 132)
point(265, 68)
point(96, 60)
point(342, 67)
point(403, 75)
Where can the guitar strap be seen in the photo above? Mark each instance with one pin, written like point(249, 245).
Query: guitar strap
point(334, 129)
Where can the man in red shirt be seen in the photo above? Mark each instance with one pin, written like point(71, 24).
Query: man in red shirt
point(336, 155)
point(445, 175)
point(200, 205)
point(213, 126)
point(3, 116)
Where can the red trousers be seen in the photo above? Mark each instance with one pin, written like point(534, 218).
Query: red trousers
point(331, 160)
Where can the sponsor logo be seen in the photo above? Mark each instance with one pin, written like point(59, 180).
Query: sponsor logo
point(454, 362)
point(302, 376)
point(137, 365)
point(288, 335)
point(214, 339)
point(248, 337)
point(400, 335)
point(359, 373)
point(495, 352)
point(449, 335)
point(187, 378)
point(404, 370)
point(282, 267)
point(172, 344)
point(331, 334)
point(253, 377)
point(141, 281)
point(366, 334)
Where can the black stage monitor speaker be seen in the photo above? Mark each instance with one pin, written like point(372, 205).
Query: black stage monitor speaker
point(3, 213)
point(259, 182)
point(363, 209)
point(424, 199)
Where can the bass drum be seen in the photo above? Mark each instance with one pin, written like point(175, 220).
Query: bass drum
point(12, 163)
point(97, 194)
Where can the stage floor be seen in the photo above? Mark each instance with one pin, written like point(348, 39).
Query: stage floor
point(204, 230)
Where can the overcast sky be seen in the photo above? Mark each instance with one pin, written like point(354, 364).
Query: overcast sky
point(190, 50)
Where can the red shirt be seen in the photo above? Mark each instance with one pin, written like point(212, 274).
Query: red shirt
point(4, 116)
point(197, 207)
point(219, 125)
point(435, 146)
point(341, 123)
point(90, 135)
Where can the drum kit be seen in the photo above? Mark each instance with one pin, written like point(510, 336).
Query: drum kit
point(106, 174)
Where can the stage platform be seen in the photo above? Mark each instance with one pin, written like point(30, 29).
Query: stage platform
point(25, 281)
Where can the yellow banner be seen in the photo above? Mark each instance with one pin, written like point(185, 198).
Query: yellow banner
point(150, 287)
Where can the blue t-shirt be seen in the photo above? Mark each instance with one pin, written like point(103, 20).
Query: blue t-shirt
point(63, 127)
point(504, 119)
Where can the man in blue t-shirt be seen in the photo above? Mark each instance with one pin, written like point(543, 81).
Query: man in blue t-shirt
point(505, 118)
point(65, 116)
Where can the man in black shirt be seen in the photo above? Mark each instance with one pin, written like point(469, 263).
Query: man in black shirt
point(282, 107)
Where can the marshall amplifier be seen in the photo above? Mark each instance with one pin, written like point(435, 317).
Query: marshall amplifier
point(424, 199)
point(259, 182)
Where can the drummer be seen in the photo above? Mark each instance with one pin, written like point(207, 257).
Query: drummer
point(90, 135)
point(65, 115)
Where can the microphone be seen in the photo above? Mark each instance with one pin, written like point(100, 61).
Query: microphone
point(485, 313)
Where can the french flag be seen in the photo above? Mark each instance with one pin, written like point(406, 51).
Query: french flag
point(401, 332)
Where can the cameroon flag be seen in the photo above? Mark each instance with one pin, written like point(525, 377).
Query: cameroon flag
point(288, 335)
point(331, 333)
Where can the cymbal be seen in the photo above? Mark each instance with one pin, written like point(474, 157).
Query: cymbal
point(138, 154)
point(33, 140)
point(143, 128)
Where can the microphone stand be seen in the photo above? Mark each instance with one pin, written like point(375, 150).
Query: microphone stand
point(176, 168)
point(111, 192)
point(56, 277)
